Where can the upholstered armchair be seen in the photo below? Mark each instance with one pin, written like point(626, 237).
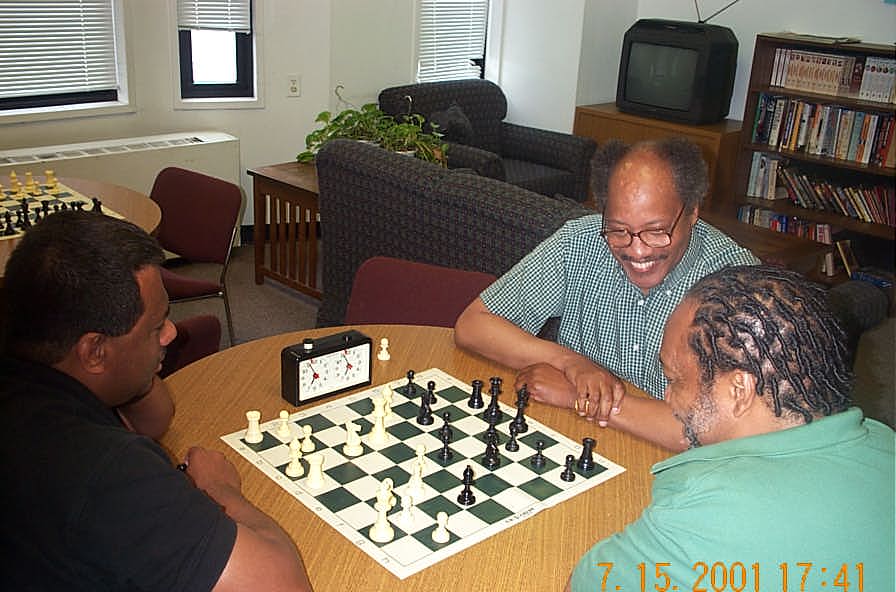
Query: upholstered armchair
point(470, 114)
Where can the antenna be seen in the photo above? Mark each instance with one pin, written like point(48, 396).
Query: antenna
point(716, 13)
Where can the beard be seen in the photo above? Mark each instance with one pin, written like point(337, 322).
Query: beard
point(700, 418)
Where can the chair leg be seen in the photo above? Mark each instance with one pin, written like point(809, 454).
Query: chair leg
point(227, 314)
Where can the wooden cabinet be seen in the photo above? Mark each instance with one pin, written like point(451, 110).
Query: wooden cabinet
point(719, 141)
point(794, 143)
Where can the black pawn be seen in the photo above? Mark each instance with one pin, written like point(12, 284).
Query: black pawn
point(431, 392)
point(492, 432)
point(466, 497)
point(568, 474)
point(522, 399)
point(492, 459)
point(424, 415)
point(97, 205)
point(45, 207)
point(512, 445)
point(538, 460)
point(446, 434)
point(586, 461)
point(10, 229)
point(412, 388)
point(37, 215)
point(475, 401)
point(445, 454)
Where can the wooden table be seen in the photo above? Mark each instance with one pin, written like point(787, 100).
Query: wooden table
point(538, 554)
point(132, 205)
point(285, 202)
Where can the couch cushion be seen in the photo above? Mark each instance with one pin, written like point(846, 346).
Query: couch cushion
point(538, 177)
point(453, 124)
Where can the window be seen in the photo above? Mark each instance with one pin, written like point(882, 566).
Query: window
point(215, 48)
point(59, 53)
point(451, 39)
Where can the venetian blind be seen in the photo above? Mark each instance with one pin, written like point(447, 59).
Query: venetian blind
point(51, 48)
point(222, 15)
point(451, 35)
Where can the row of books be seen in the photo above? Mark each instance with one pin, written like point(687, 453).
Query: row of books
point(773, 178)
point(787, 123)
point(871, 78)
point(766, 218)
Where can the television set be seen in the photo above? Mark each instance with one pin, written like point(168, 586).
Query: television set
point(677, 71)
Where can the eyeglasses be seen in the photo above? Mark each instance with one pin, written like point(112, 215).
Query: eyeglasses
point(653, 237)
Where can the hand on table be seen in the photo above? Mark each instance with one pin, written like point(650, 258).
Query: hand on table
point(589, 389)
point(212, 473)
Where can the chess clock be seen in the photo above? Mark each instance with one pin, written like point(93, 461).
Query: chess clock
point(321, 367)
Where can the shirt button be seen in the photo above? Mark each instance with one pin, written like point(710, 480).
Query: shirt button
point(640, 302)
point(635, 347)
point(668, 292)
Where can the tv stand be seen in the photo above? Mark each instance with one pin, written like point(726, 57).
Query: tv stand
point(718, 141)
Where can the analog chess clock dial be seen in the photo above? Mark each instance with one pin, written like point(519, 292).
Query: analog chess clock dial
point(318, 368)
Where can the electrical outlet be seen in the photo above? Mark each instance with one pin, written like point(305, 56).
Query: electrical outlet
point(293, 85)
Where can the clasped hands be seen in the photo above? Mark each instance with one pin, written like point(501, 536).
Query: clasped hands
point(593, 392)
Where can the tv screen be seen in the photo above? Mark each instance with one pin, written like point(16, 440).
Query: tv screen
point(661, 75)
point(677, 71)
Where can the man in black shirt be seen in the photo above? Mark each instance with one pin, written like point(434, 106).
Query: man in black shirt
point(90, 501)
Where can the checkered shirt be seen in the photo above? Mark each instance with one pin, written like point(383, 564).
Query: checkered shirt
point(574, 276)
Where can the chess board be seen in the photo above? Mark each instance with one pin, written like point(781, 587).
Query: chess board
point(12, 203)
point(505, 496)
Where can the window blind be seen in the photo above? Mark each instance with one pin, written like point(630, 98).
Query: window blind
point(451, 35)
point(49, 48)
point(221, 15)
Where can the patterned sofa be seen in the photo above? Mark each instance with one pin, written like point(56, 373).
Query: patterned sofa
point(471, 113)
point(375, 202)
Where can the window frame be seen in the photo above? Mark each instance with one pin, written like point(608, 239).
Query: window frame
point(483, 64)
point(244, 87)
point(89, 103)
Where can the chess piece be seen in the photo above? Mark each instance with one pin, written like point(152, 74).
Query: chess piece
point(412, 388)
point(383, 354)
point(307, 443)
point(253, 432)
point(424, 415)
point(512, 445)
point(378, 436)
point(568, 474)
point(315, 479)
point(353, 445)
point(414, 486)
point(294, 468)
point(475, 401)
point(97, 204)
point(586, 461)
point(522, 399)
point(387, 394)
point(492, 459)
point(440, 533)
point(445, 432)
point(538, 460)
point(431, 392)
point(406, 517)
point(384, 495)
point(493, 411)
point(283, 430)
point(466, 497)
point(381, 531)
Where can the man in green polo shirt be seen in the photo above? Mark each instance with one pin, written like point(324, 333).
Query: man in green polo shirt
point(612, 279)
point(786, 487)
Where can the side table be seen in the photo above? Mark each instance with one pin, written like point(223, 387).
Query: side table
point(286, 231)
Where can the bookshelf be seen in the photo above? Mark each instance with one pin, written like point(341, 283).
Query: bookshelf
point(815, 161)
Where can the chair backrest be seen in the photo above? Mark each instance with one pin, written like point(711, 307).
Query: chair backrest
point(197, 337)
point(199, 214)
point(400, 292)
point(482, 101)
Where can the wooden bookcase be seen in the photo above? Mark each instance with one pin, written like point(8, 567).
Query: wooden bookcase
point(840, 171)
point(717, 141)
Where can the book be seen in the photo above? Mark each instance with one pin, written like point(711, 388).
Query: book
point(858, 70)
point(867, 140)
point(854, 134)
point(846, 255)
point(808, 112)
point(754, 173)
point(775, 128)
point(844, 133)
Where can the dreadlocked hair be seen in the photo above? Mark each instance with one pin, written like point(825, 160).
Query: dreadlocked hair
point(774, 324)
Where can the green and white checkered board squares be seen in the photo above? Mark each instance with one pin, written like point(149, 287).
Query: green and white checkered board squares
point(504, 496)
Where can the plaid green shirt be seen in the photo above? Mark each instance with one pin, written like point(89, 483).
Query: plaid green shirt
point(573, 275)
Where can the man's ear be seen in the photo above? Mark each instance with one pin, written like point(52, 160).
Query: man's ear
point(742, 386)
point(91, 352)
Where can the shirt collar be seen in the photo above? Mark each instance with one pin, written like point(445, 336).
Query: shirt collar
point(834, 429)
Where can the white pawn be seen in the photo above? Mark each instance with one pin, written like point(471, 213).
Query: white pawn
point(383, 354)
point(295, 468)
point(407, 505)
point(414, 487)
point(253, 432)
point(315, 478)
point(378, 436)
point(440, 533)
point(420, 450)
point(283, 430)
point(382, 531)
point(352, 440)
point(307, 442)
point(384, 496)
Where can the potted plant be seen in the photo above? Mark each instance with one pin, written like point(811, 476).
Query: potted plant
point(367, 124)
point(408, 136)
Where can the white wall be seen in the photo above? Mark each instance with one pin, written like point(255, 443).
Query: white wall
point(554, 55)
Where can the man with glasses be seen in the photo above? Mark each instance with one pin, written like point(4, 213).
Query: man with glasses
point(612, 279)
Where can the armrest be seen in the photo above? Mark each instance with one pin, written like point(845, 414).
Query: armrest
point(555, 149)
point(485, 163)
